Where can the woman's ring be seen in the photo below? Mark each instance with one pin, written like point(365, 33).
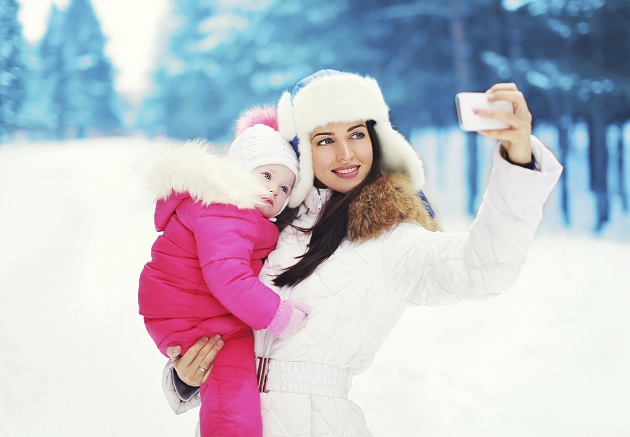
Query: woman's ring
point(202, 369)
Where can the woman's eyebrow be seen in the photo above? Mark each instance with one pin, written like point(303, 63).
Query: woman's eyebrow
point(322, 133)
point(354, 127)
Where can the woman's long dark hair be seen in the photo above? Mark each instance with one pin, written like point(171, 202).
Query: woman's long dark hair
point(331, 227)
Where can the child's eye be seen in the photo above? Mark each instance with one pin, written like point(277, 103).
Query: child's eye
point(284, 189)
point(267, 175)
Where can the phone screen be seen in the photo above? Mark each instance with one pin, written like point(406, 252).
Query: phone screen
point(465, 103)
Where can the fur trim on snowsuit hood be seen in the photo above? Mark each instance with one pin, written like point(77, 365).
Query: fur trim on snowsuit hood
point(194, 170)
point(386, 202)
point(331, 96)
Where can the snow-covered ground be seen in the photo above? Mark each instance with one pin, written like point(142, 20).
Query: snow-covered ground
point(548, 358)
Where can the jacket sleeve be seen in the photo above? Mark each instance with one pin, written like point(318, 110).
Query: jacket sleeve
point(225, 240)
point(175, 401)
point(434, 268)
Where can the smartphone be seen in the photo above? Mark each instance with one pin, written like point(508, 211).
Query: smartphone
point(471, 122)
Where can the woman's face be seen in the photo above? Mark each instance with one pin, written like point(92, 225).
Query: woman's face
point(342, 155)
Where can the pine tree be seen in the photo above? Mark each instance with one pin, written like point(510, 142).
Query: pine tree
point(53, 77)
point(92, 99)
point(74, 77)
point(186, 100)
point(12, 84)
point(36, 115)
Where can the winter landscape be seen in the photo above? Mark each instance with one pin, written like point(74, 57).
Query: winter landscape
point(91, 89)
point(547, 358)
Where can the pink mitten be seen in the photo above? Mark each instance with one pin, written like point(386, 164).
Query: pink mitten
point(289, 318)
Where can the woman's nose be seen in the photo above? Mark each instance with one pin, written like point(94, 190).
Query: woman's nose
point(344, 152)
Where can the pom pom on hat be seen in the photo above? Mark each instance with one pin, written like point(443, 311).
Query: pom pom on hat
point(265, 115)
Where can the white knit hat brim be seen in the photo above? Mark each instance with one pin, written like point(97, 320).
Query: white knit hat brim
point(342, 98)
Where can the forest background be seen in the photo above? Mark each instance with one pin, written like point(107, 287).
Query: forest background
point(212, 59)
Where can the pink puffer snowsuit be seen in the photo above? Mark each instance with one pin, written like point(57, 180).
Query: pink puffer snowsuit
point(203, 279)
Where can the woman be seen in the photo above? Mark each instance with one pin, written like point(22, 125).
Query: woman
point(363, 247)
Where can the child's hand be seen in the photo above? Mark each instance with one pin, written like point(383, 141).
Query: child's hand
point(194, 367)
point(289, 318)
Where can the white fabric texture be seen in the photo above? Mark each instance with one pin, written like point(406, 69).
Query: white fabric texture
point(359, 293)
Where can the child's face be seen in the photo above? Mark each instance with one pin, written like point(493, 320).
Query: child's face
point(279, 181)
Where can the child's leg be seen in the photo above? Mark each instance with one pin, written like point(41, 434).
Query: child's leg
point(230, 402)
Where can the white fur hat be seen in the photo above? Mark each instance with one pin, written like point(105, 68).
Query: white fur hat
point(330, 96)
point(262, 145)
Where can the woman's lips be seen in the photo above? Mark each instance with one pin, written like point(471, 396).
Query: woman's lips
point(347, 171)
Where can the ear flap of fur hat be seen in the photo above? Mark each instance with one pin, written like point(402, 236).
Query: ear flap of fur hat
point(287, 128)
point(399, 156)
point(330, 96)
point(285, 112)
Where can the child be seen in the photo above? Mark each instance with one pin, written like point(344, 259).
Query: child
point(215, 214)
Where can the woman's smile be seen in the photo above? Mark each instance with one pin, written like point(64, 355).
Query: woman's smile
point(347, 171)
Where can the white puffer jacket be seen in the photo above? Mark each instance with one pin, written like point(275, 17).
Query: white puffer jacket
point(359, 293)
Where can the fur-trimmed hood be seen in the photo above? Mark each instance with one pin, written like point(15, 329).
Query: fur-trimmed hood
point(194, 170)
point(386, 202)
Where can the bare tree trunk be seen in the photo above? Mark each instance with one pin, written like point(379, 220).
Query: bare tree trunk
point(472, 173)
point(560, 112)
point(563, 141)
point(598, 163)
point(621, 164)
point(460, 60)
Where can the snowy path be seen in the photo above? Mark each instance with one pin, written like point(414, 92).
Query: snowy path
point(549, 358)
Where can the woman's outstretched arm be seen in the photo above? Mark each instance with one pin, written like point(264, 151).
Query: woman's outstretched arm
point(434, 268)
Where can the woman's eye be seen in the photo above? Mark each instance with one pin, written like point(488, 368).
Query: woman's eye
point(358, 135)
point(325, 142)
point(267, 175)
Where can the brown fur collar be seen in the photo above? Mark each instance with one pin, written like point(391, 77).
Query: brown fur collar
point(384, 203)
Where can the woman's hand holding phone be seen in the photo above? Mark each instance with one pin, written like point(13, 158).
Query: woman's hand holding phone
point(494, 119)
